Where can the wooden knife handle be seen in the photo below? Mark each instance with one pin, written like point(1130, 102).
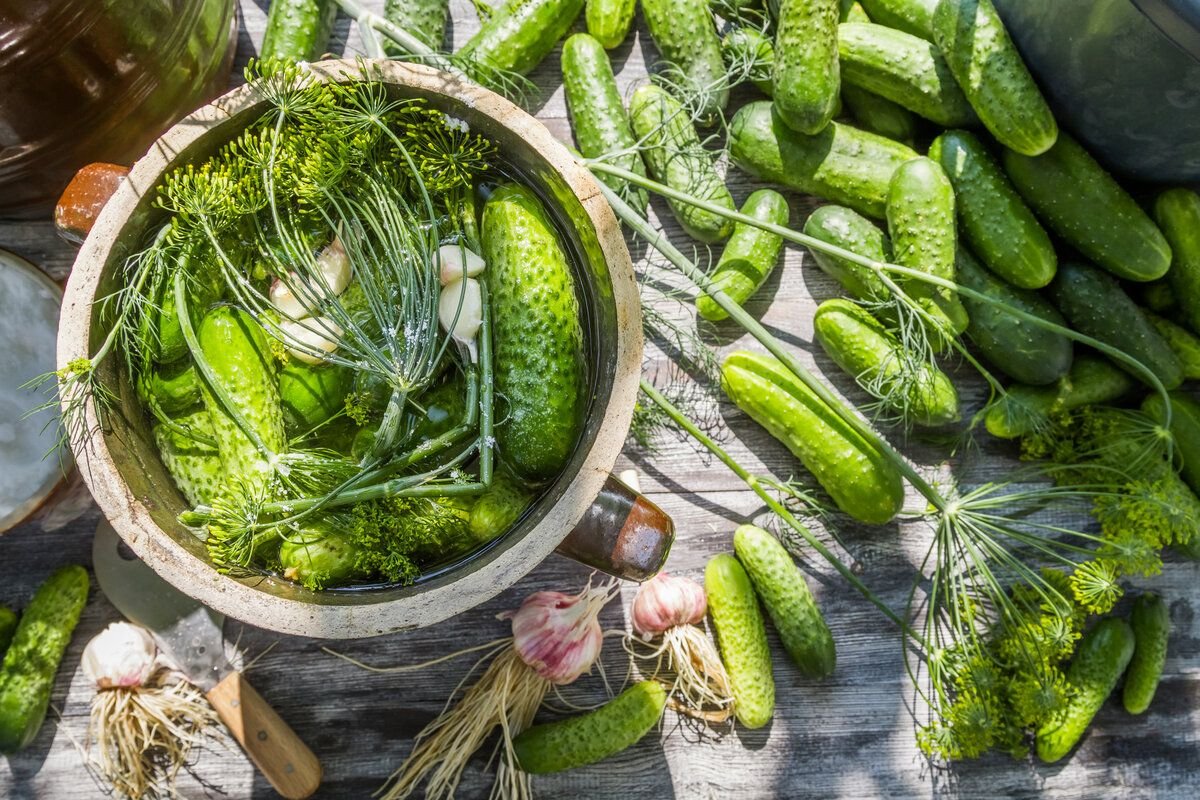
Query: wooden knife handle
point(274, 748)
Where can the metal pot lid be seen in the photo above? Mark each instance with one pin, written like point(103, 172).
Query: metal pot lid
point(1179, 21)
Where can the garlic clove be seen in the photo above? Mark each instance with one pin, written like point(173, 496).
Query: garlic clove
point(310, 340)
point(122, 655)
point(284, 300)
point(460, 309)
point(456, 261)
point(334, 266)
point(668, 601)
point(559, 635)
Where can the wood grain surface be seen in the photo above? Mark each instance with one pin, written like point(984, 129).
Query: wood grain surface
point(850, 736)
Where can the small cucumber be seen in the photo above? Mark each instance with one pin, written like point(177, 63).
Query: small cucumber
point(521, 33)
point(424, 19)
point(1096, 305)
point(318, 555)
point(866, 351)
point(911, 16)
point(1089, 210)
point(742, 636)
point(195, 466)
point(1185, 429)
point(1159, 295)
point(598, 116)
point(1151, 623)
point(609, 20)
point(587, 738)
point(1023, 408)
point(686, 35)
point(790, 604)
point(851, 231)
point(1183, 343)
point(1000, 228)
point(841, 164)
point(1100, 658)
point(312, 394)
point(174, 387)
point(904, 69)
point(498, 508)
point(749, 256)
point(806, 77)
point(861, 481)
point(298, 30)
point(749, 50)
point(984, 60)
point(1178, 214)
point(879, 115)
point(37, 648)
point(675, 157)
point(1024, 351)
point(8, 626)
point(537, 335)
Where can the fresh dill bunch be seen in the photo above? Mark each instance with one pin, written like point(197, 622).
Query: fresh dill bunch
point(1096, 586)
point(394, 535)
point(448, 155)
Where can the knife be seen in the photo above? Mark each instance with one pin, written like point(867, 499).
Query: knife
point(191, 636)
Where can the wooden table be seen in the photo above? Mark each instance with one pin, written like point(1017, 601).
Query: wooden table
point(849, 736)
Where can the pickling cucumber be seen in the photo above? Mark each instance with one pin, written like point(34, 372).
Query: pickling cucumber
point(297, 30)
point(37, 648)
point(424, 19)
point(851, 231)
point(1185, 430)
point(1158, 296)
point(806, 77)
point(1150, 620)
point(686, 35)
point(1091, 212)
point(1178, 214)
point(750, 50)
point(749, 256)
point(841, 164)
point(992, 74)
point(782, 588)
point(904, 69)
point(587, 738)
point(742, 637)
point(1023, 409)
point(1183, 343)
point(911, 16)
point(536, 332)
point(674, 156)
point(312, 394)
point(609, 20)
point(520, 33)
point(195, 465)
point(995, 221)
point(861, 481)
point(8, 626)
point(174, 387)
point(319, 555)
point(879, 115)
point(501, 505)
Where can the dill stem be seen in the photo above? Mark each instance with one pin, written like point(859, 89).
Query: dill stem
point(402, 38)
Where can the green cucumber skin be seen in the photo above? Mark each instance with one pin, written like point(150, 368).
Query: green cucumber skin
point(920, 217)
point(1151, 623)
point(806, 76)
point(852, 11)
point(1159, 295)
point(598, 117)
point(785, 594)
point(904, 69)
point(674, 156)
point(857, 476)
point(742, 637)
point(1000, 228)
point(537, 335)
point(749, 256)
point(1096, 305)
point(1082, 203)
point(498, 508)
point(1183, 343)
point(1178, 214)
point(8, 626)
point(1023, 351)
point(521, 33)
point(312, 394)
point(609, 20)
point(318, 556)
point(174, 387)
point(298, 30)
point(1092, 380)
point(914, 17)
point(751, 47)
point(841, 164)
point(992, 74)
point(879, 115)
point(686, 35)
point(587, 738)
point(866, 351)
point(35, 653)
point(1100, 658)
point(195, 467)
point(424, 19)
point(1185, 428)
point(851, 231)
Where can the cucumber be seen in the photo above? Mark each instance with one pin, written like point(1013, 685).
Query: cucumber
point(1178, 214)
point(1183, 343)
point(686, 35)
point(841, 164)
point(609, 20)
point(318, 555)
point(861, 481)
point(871, 355)
point(174, 387)
point(521, 33)
point(749, 256)
point(995, 221)
point(742, 637)
point(674, 156)
point(598, 116)
point(879, 115)
point(498, 508)
point(8, 626)
point(852, 11)
point(1100, 658)
point(920, 216)
point(790, 604)
point(160, 326)
point(1022, 350)
point(904, 69)
point(851, 231)
point(37, 648)
point(1023, 408)
point(1089, 210)
point(911, 16)
point(312, 394)
point(424, 19)
point(806, 76)
point(1185, 430)
point(536, 332)
point(1150, 620)
point(1096, 305)
point(195, 466)
point(750, 50)
point(587, 738)
point(297, 30)
point(1159, 295)
point(991, 73)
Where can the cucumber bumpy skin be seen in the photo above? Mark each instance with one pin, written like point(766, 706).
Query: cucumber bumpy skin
point(298, 30)
point(742, 637)
point(747, 48)
point(806, 77)
point(312, 394)
point(911, 16)
point(749, 256)
point(1178, 214)
point(424, 19)
point(686, 35)
point(500, 505)
point(195, 466)
point(609, 20)
point(318, 555)
point(1151, 623)
point(1022, 409)
point(521, 33)
point(851, 231)
point(174, 387)
point(879, 115)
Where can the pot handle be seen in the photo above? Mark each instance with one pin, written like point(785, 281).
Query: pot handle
point(84, 198)
point(623, 534)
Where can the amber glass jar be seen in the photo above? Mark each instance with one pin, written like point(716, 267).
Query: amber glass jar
point(99, 80)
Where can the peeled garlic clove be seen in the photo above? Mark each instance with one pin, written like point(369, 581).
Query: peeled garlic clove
point(668, 601)
point(456, 261)
point(310, 340)
point(120, 656)
point(460, 309)
point(334, 266)
point(284, 300)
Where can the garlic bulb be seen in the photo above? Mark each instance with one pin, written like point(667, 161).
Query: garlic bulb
point(559, 635)
point(298, 298)
point(284, 300)
point(668, 601)
point(457, 261)
point(120, 656)
point(460, 309)
point(310, 340)
point(334, 266)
